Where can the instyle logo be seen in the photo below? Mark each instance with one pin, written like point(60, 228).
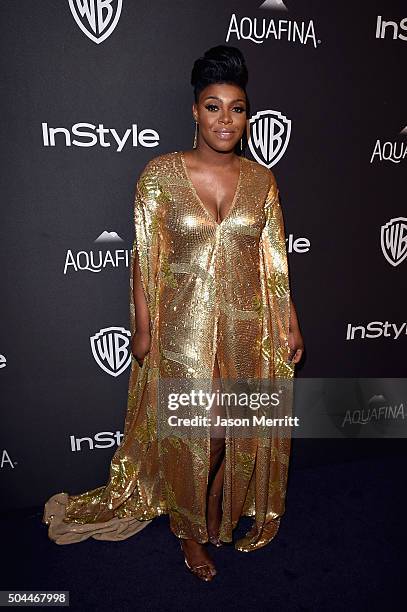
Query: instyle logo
point(96, 18)
point(89, 136)
point(388, 151)
point(98, 260)
point(270, 133)
point(297, 245)
point(375, 329)
point(391, 29)
point(103, 439)
point(393, 240)
point(111, 349)
point(260, 29)
point(6, 461)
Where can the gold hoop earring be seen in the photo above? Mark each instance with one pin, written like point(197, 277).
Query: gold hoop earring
point(195, 136)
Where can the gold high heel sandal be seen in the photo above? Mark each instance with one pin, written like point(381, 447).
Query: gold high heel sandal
point(204, 572)
point(213, 539)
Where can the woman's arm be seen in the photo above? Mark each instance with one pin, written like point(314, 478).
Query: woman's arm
point(293, 316)
point(145, 259)
point(139, 298)
point(295, 340)
point(141, 341)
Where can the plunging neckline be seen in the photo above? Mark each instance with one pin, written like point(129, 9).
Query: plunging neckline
point(194, 191)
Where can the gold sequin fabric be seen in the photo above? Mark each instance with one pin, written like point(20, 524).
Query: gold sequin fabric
point(212, 289)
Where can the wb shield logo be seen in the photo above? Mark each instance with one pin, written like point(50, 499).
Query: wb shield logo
point(96, 18)
point(394, 240)
point(270, 133)
point(110, 348)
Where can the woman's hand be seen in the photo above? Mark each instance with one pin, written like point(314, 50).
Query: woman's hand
point(296, 344)
point(140, 345)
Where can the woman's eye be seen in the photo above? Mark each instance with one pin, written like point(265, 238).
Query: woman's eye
point(214, 108)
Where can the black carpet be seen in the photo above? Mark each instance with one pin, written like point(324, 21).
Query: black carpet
point(339, 548)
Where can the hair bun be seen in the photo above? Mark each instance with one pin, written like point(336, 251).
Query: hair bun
point(221, 64)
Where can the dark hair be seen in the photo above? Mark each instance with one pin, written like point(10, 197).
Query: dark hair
point(221, 64)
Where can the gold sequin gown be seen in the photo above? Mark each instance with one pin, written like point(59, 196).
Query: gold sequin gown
point(211, 289)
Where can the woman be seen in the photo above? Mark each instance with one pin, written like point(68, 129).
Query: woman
point(209, 300)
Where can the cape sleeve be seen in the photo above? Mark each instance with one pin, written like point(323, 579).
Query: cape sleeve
point(146, 241)
point(276, 285)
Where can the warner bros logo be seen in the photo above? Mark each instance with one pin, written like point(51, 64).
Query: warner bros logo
point(393, 238)
point(96, 18)
point(110, 348)
point(270, 133)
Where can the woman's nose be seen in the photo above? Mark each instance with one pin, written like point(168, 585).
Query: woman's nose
point(225, 117)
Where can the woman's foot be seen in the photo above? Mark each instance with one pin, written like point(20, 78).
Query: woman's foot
point(198, 560)
point(214, 518)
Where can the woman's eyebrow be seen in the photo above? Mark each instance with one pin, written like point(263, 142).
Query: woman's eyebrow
point(220, 100)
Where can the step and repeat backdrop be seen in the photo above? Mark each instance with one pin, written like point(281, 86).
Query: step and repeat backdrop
point(92, 90)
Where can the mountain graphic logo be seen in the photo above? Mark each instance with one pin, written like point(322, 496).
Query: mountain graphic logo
point(109, 237)
point(274, 5)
